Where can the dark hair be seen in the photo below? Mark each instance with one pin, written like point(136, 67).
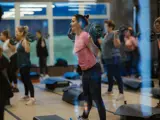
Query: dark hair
point(39, 31)
point(6, 33)
point(86, 16)
point(110, 23)
point(81, 18)
point(23, 29)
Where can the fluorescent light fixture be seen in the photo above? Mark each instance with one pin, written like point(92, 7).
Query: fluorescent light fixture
point(80, 6)
point(32, 6)
point(28, 9)
point(82, 3)
point(78, 9)
point(7, 3)
point(8, 14)
point(30, 13)
point(75, 4)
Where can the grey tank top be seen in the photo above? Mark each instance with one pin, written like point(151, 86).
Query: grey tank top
point(109, 51)
point(23, 58)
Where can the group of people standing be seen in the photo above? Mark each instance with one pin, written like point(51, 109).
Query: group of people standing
point(92, 52)
point(16, 59)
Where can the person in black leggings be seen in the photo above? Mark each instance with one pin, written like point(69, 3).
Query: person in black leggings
point(42, 53)
point(23, 57)
point(111, 55)
point(87, 51)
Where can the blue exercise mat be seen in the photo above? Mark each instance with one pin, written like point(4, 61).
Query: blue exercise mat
point(71, 75)
point(32, 74)
point(52, 80)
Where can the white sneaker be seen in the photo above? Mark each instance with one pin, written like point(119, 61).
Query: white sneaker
point(108, 93)
point(46, 76)
point(26, 98)
point(120, 97)
point(41, 75)
point(31, 101)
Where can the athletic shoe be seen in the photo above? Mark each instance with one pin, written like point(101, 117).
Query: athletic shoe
point(120, 97)
point(26, 98)
point(46, 76)
point(15, 90)
point(31, 101)
point(81, 118)
point(108, 93)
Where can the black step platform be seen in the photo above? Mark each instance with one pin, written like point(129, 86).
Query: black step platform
point(138, 112)
point(48, 117)
point(55, 82)
point(134, 84)
point(155, 92)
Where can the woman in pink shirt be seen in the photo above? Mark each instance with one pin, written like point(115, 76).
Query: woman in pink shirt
point(86, 52)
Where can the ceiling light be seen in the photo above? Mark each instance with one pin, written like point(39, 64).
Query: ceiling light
point(27, 9)
point(32, 5)
point(78, 9)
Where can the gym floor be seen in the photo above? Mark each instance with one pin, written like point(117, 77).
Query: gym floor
point(49, 103)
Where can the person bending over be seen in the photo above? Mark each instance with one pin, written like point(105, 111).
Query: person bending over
point(24, 64)
point(86, 51)
point(111, 55)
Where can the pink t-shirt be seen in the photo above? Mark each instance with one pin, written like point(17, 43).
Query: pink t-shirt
point(132, 42)
point(86, 58)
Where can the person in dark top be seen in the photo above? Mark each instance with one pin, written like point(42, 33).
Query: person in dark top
point(5, 89)
point(42, 54)
point(24, 64)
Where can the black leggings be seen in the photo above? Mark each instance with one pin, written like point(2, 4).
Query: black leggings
point(12, 70)
point(91, 80)
point(113, 70)
point(25, 76)
point(2, 105)
point(43, 65)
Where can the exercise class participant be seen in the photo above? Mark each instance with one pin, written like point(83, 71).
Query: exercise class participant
point(5, 89)
point(10, 51)
point(42, 54)
point(132, 51)
point(96, 39)
point(86, 51)
point(111, 56)
point(24, 64)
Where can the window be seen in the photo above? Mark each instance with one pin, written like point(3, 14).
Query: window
point(8, 25)
point(7, 8)
point(35, 25)
point(96, 9)
point(63, 46)
point(64, 9)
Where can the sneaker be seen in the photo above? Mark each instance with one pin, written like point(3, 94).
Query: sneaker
point(46, 76)
point(120, 97)
point(31, 101)
point(26, 98)
point(15, 90)
point(109, 93)
point(81, 118)
point(41, 75)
